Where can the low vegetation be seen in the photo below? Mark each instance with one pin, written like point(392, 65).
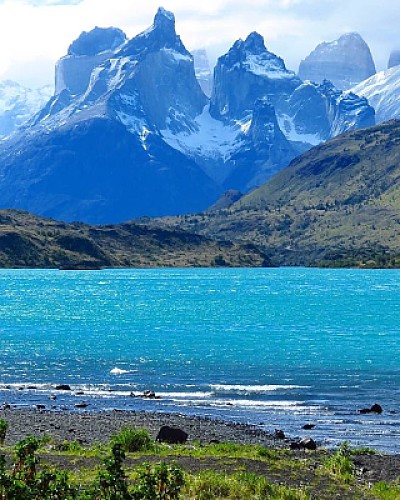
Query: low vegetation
point(27, 241)
point(133, 467)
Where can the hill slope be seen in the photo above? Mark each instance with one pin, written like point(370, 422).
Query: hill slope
point(35, 242)
point(338, 204)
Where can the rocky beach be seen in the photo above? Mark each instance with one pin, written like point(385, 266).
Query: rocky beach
point(89, 429)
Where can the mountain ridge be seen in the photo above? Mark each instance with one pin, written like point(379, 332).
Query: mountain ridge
point(337, 204)
point(28, 241)
point(163, 147)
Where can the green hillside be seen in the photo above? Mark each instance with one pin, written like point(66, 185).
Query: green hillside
point(338, 204)
point(35, 242)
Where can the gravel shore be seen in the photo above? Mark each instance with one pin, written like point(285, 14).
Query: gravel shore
point(90, 427)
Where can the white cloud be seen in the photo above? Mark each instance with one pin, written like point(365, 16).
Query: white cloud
point(35, 33)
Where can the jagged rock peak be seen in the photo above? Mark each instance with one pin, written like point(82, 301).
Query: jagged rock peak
point(164, 18)
point(394, 59)
point(160, 35)
point(254, 43)
point(345, 61)
point(254, 54)
point(91, 43)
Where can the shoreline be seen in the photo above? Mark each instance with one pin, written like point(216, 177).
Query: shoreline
point(94, 427)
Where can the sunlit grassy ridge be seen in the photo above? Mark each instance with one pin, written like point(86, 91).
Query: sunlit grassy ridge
point(338, 204)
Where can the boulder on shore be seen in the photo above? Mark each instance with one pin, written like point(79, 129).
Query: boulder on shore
point(171, 435)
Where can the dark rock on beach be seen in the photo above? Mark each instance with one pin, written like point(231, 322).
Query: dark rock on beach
point(63, 387)
point(303, 444)
point(308, 444)
point(279, 434)
point(172, 435)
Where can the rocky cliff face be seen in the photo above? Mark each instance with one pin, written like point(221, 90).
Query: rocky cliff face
point(323, 112)
point(264, 151)
point(246, 73)
point(345, 62)
point(87, 52)
point(394, 59)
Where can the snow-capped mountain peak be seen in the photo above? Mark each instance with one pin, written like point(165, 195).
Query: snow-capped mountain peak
point(382, 91)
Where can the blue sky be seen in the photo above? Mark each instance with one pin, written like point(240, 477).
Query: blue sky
point(35, 33)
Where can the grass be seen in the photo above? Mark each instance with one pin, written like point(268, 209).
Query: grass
point(386, 491)
point(225, 470)
point(340, 464)
point(209, 485)
point(133, 440)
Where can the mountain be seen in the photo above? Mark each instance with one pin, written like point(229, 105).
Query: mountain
point(98, 155)
point(130, 133)
point(18, 104)
point(30, 241)
point(318, 112)
point(261, 116)
point(382, 91)
point(246, 73)
point(346, 62)
point(337, 204)
point(203, 71)
point(394, 59)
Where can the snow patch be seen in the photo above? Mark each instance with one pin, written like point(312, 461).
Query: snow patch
point(266, 66)
point(177, 56)
point(211, 138)
point(288, 127)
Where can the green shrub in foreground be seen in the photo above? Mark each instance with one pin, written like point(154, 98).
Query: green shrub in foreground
point(160, 482)
point(132, 439)
point(24, 483)
point(3, 430)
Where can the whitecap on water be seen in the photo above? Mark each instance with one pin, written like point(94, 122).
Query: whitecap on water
point(255, 388)
point(120, 371)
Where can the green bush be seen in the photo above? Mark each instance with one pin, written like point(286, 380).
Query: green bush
point(132, 439)
point(24, 483)
point(340, 464)
point(160, 482)
point(3, 430)
point(112, 483)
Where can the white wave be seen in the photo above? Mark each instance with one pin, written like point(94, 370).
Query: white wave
point(244, 403)
point(255, 388)
point(197, 395)
point(120, 371)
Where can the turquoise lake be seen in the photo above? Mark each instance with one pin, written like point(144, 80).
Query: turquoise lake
point(278, 348)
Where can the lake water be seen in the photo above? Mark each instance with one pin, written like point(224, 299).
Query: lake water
point(274, 347)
